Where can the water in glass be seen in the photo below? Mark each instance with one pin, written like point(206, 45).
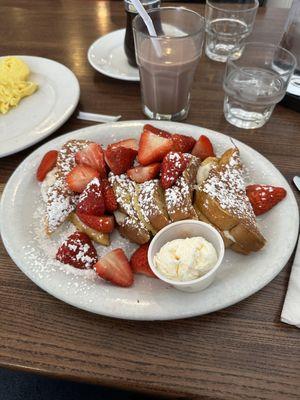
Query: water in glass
point(225, 36)
point(250, 96)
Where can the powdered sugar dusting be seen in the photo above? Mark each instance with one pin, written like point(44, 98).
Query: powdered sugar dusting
point(41, 251)
point(146, 201)
point(126, 192)
point(227, 186)
point(61, 201)
point(177, 197)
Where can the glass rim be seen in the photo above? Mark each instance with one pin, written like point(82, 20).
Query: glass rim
point(202, 29)
point(254, 7)
point(232, 61)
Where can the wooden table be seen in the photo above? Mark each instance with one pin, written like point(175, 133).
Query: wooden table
point(242, 352)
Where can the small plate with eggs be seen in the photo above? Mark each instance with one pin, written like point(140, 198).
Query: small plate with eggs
point(37, 96)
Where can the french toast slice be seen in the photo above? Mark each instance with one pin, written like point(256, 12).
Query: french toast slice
point(227, 241)
point(179, 197)
point(222, 199)
point(152, 206)
point(129, 224)
point(61, 201)
point(133, 230)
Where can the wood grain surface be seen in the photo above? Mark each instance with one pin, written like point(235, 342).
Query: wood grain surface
point(242, 352)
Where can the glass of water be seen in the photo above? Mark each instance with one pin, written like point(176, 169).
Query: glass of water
point(255, 83)
point(228, 23)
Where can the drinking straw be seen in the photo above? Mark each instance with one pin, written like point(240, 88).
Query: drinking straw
point(148, 22)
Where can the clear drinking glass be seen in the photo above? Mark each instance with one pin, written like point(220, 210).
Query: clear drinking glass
point(255, 83)
point(167, 63)
point(228, 23)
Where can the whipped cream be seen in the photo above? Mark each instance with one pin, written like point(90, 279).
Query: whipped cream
point(186, 259)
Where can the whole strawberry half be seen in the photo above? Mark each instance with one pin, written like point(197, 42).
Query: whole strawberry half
point(80, 176)
point(115, 268)
point(156, 131)
point(103, 224)
point(119, 159)
point(46, 165)
point(142, 174)
point(153, 147)
point(109, 197)
point(172, 167)
point(91, 200)
point(264, 197)
point(181, 143)
point(78, 251)
point(93, 156)
point(203, 148)
point(139, 261)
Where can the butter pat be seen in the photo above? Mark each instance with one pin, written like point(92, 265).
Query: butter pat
point(186, 259)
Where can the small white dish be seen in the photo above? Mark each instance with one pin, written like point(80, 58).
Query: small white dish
point(42, 113)
point(182, 230)
point(107, 55)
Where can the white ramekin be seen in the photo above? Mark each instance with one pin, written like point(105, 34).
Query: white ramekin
point(182, 230)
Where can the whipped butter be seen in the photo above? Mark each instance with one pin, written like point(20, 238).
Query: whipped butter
point(186, 259)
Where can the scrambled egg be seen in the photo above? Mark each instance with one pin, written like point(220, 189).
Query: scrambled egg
point(14, 84)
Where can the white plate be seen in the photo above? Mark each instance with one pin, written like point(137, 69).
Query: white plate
point(107, 56)
point(149, 299)
point(40, 114)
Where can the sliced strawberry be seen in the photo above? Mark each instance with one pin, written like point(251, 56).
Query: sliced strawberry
point(115, 268)
point(156, 131)
point(139, 261)
point(119, 159)
point(104, 224)
point(142, 174)
point(264, 197)
point(78, 251)
point(91, 200)
point(46, 165)
point(79, 177)
point(203, 148)
point(174, 163)
point(110, 200)
point(153, 148)
point(183, 143)
point(93, 156)
point(132, 144)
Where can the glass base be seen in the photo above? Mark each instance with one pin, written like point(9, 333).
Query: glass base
point(180, 116)
point(222, 53)
point(245, 118)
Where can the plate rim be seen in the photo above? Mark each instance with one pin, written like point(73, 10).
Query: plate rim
point(62, 119)
point(213, 308)
point(98, 68)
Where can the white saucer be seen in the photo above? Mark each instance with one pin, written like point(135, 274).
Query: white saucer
point(107, 56)
point(42, 113)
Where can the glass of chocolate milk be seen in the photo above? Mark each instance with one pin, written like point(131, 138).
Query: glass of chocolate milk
point(167, 63)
